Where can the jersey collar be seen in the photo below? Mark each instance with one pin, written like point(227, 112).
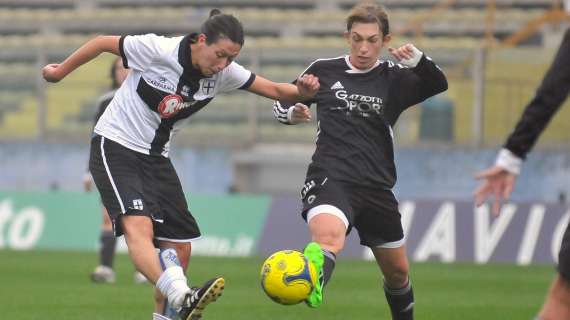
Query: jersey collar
point(353, 69)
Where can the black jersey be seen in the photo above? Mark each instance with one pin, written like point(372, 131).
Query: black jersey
point(548, 98)
point(356, 110)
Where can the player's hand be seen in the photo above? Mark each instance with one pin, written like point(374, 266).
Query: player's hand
point(300, 114)
point(407, 55)
point(52, 72)
point(404, 52)
point(308, 85)
point(498, 182)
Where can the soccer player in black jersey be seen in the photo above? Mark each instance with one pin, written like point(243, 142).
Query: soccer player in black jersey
point(350, 178)
point(499, 179)
point(171, 78)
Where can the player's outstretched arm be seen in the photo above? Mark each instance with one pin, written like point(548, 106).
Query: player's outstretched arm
point(57, 71)
point(306, 87)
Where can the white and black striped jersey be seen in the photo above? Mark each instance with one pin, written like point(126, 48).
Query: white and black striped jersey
point(162, 89)
point(356, 110)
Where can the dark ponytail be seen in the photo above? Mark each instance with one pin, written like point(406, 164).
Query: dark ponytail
point(114, 83)
point(215, 12)
point(221, 25)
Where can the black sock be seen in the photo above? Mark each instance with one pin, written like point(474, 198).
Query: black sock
point(107, 252)
point(328, 266)
point(401, 302)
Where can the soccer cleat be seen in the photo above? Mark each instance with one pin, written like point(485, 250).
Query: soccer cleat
point(103, 274)
point(198, 298)
point(315, 256)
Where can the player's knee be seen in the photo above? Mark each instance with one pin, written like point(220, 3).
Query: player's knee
point(137, 226)
point(397, 277)
point(331, 241)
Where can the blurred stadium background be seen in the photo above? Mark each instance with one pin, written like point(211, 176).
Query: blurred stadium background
point(240, 165)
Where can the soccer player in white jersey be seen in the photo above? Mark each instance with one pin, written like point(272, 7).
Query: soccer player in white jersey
point(350, 178)
point(170, 80)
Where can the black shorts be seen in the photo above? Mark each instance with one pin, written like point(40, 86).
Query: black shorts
point(564, 256)
point(373, 212)
point(133, 183)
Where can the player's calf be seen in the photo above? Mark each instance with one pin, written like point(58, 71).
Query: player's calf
point(172, 282)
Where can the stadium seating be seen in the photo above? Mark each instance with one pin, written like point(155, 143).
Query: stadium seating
point(50, 29)
point(257, 22)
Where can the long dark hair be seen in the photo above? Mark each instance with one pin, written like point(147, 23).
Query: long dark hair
point(113, 73)
point(221, 25)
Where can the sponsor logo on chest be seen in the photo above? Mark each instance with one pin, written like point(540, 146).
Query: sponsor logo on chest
point(356, 104)
point(162, 83)
point(171, 105)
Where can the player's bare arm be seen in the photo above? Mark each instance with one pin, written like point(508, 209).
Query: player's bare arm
point(57, 71)
point(306, 88)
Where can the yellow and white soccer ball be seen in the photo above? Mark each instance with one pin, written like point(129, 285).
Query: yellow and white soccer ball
point(287, 277)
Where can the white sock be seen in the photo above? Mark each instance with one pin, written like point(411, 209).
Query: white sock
point(156, 316)
point(173, 285)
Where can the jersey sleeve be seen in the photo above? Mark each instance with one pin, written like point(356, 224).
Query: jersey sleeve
point(546, 102)
point(282, 109)
point(416, 84)
point(235, 77)
point(139, 51)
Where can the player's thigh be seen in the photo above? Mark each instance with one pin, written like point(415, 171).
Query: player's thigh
point(174, 222)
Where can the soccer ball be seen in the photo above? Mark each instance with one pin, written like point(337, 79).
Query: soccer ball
point(287, 277)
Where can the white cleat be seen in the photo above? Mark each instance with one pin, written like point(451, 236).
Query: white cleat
point(139, 278)
point(103, 274)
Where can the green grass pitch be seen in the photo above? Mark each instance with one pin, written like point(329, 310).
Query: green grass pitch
point(55, 285)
